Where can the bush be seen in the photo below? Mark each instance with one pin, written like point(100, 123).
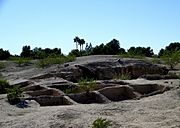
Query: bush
point(4, 85)
point(171, 58)
point(2, 65)
point(101, 123)
point(4, 54)
point(87, 85)
point(123, 77)
point(14, 94)
point(156, 60)
point(42, 63)
point(22, 61)
point(75, 52)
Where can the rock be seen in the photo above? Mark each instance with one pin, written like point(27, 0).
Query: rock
point(70, 73)
point(47, 91)
point(21, 82)
point(41, 76)
point(159, 77)
point(32, 103)
point(34, 88)
point(55, 82)
point(109, 69)
point(68, 101)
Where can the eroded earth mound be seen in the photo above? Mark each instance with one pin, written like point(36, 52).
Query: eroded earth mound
point(139, 106)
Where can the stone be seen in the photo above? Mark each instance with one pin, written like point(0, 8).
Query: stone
point(21, 82)
point(109, 69)
point(47, 91)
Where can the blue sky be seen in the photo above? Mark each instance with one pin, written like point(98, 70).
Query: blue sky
point(54, 23)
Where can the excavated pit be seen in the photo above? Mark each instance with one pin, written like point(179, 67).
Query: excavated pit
point(118, 93)
point(88, 98)
point(54, 100)
point(53, 94)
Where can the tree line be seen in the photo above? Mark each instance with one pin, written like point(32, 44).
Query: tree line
point(110, 48)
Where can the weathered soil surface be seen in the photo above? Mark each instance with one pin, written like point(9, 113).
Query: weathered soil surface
point(136, 103)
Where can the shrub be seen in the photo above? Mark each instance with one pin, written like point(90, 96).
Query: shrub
point(75, 52)
point(42, 63)
point(128, 55)
point(14, 94)
point(2, 65)
point(123, 77)
point(3, 86)
point(4, 54)
point(101, 123)
point(171, 58)
point(69, 91)
point(22, 61)
point(87, 85)
point(156, 60)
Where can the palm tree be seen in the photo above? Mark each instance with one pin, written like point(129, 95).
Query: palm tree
point(76, 40)
point(82, 42)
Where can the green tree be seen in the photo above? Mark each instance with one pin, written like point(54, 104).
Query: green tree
point(75, 52)
point(26, 51)
point(88, 48)
point(81, 43)
point(4, 54)
point(112, 47)
point(171, 58)
point(140, 51)
point(76, 40)
point(170, 48)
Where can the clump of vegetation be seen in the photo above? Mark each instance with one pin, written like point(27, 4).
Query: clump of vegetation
point(128, 55)
point(72, 90)
point(156, 60)
point(101, 123)
point(87, 85)
point(171, 58)
point(1, 76)
point(140, 51)
point(125, 76)
point(4, 85)
point(14, 94)
point(171, 54)
point(2, 65)
point(22, 61)
point(42, 63)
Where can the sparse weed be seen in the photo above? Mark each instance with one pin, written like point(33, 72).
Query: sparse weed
point(87, 85)
point(101, 123)
point(123, 77)
point(132, 56)
point(156, 60)
point(70, 91)
point(14, 94)
point(4, 85)
point(42, 63)
point(2, 65)
point(22, 61)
